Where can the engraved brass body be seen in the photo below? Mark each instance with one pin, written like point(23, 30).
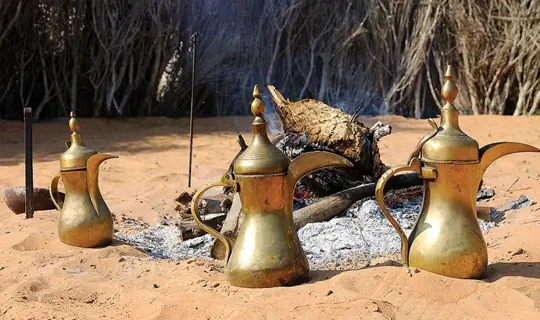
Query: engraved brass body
point(85, 220)
point(447, 239)
point(267, 251)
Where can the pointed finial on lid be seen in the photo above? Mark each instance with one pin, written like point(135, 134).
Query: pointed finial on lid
point(257, 106)
point(73, 123)
point(77, 154)
point(450, 144)
point(262, 157)
point(449, 90)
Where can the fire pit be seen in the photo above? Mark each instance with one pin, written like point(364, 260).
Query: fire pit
point(352, 240)
point(339, 224)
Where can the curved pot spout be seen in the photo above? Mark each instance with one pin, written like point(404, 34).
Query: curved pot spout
point(92, 167)
point(311, 161)
point(493, 151)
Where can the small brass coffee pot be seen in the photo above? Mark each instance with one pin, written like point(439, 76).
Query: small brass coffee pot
point(85, 220)
point(447, 239)
point(267, 251)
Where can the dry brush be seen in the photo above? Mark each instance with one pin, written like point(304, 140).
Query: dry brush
point(132, 57)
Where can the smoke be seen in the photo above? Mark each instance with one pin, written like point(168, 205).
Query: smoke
point(275, 126)
point(238, 49)
point(361, 102)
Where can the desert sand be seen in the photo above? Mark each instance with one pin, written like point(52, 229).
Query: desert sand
point(41, 278)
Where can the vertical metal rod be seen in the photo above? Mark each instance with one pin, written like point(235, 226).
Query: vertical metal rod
point(29, 192)
point(193, 55)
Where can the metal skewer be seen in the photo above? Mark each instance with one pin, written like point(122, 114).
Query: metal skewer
point(193, 55)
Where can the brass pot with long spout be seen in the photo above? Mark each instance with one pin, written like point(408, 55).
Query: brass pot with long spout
point(267, 251)
point(85, 220)
point(447, 239)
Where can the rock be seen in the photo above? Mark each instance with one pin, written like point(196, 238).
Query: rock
point(184, 198)
point(518, 252)
point(122, 259)
point(522, 202)
point(485, 193)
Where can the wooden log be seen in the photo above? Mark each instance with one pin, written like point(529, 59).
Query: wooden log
point(229, 229)
point(206, 206)
point(332, 128)
point(14, 197)
point(230, 225)
point(380, 130)
point(483, 213)
point(333, 205)
point(190, 229)
point(311, 125)
point(211, 206)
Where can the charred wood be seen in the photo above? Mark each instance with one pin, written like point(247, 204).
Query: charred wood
point(14, 199)
point(311, 125)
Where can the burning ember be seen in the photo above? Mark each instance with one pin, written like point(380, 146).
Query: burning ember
point(301, 192)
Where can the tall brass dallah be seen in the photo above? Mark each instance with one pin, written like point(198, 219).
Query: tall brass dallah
point(85, 220)
point(267, 252)
point(446, 238)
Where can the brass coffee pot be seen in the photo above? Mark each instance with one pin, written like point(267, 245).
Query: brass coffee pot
point(447, 239)
point(85, 220)
point(267, 251)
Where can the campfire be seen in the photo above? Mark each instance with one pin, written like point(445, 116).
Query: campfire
point(339, 223)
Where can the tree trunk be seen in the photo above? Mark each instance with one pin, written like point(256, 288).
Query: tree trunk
point(521, 98)
point(535, 104)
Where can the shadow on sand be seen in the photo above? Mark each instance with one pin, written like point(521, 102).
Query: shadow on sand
point(132, 135)
point(495, 272)
point(500, 270)
point(323, 275)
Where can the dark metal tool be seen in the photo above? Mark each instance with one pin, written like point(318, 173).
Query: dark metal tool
point(29, 174)
point(194, 39)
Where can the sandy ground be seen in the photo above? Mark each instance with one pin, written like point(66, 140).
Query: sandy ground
point(41, 278)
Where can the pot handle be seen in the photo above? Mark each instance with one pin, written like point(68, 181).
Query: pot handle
point(414, 165)
point(197, 216)
point(53, 191)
